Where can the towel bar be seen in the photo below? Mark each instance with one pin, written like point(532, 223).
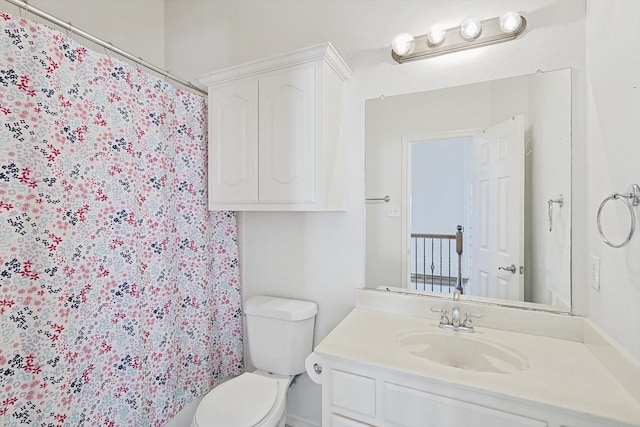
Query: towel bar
point(631, 199)
point(385, 199)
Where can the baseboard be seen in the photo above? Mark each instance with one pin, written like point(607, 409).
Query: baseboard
point(295, 421)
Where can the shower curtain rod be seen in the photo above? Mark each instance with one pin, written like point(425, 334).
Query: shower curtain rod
point(67, 26)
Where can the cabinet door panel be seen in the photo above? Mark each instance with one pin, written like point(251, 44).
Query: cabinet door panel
point(287, 137)
point(408, 407)
point(233, 144)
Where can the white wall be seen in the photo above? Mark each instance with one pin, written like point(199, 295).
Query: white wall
point(613, 133)
point(136, 26)
point(549, 149)
point(321, 256)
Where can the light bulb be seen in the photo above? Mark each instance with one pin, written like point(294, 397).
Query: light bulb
point(435, 36)
point(403, 44)
point(470, 28)
point(510, 22)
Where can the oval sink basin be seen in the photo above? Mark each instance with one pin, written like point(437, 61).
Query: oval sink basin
point(462, 351)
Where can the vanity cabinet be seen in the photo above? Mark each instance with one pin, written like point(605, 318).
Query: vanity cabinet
point(275, 133)
point(359, 395)
point(387, 363)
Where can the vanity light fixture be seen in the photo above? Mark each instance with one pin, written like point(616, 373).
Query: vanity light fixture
point(471, 33)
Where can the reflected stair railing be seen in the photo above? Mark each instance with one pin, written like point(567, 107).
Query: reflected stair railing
point(433, 258)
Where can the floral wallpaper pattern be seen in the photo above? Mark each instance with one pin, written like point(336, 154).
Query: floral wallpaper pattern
point(119, 292)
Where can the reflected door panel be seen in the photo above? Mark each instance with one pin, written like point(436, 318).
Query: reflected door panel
point(498, 249)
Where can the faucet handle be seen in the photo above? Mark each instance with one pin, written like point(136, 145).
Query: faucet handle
point(444, 320)
point(467, 321)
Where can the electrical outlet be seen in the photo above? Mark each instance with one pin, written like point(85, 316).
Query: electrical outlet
point(594, 272)
point(393, 211)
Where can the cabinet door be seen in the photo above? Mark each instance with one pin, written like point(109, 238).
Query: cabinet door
point(353, 393)
point(287, 131)
point(408, 407)
point(233, 144)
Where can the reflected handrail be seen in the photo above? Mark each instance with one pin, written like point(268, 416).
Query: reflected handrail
point(432, 247)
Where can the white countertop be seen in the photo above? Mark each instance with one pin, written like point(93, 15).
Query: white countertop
point(561, 373)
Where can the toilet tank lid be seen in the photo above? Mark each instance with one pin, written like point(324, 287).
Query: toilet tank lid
point(280, 308)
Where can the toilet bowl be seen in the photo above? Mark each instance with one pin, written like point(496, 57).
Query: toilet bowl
point(279, 338)
point(253, 399)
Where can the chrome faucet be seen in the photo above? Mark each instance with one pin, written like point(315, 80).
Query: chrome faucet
point(455, 316)
point(454, 324)
point(455, 311)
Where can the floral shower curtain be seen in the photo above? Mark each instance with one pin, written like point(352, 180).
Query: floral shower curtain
point(119, 292)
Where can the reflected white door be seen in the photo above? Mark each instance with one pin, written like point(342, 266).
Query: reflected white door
point(498, 235)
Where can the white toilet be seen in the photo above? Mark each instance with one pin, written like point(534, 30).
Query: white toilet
point(279, 337)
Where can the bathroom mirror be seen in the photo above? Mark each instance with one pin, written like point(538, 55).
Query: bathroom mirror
point(493, 158)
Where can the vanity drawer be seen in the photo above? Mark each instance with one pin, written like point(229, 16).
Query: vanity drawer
point(409, 407)
point(355, 393)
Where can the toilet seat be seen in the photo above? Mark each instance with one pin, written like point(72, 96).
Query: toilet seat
point(241, 402)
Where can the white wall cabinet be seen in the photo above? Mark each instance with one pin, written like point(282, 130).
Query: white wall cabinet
point(359, 395)
point(275, 133)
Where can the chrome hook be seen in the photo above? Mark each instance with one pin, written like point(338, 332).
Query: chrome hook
point(560, 202)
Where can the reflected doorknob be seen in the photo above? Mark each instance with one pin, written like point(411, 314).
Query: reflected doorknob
point(511, 268)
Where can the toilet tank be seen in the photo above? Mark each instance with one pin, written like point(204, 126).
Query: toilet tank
point(279, 333)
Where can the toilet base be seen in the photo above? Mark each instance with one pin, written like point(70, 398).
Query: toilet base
point(277, 416)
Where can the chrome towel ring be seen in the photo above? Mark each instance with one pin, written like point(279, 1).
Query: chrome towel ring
point(631, 199)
